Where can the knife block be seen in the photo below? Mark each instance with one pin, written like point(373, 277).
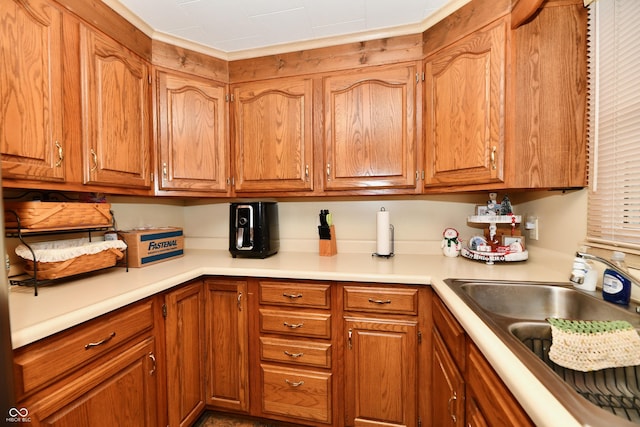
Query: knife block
point(328, 247)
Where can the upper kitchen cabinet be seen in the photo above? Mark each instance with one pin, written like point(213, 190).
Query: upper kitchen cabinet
point(116, 113)
point(505, 97)
point(464, 110)
point(273, 135)
point(31, 135)
point(192, 134)
point(369, 119)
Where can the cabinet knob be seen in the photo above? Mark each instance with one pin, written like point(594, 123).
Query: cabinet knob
point(328, 171)
point(164, 170)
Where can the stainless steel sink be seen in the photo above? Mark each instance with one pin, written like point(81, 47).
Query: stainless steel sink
point(517, 313)
point(536, 301)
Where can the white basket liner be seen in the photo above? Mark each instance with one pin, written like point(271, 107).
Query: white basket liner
point(62, 250)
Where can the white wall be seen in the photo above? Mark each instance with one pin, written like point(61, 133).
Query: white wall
point(418, 220)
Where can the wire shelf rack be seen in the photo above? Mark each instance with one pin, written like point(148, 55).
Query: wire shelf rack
point(614, 389)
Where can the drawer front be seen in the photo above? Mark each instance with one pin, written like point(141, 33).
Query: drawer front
point(40, 363)
point(307, 353)
point(301, 394)
point(296, 323)
point(382, 300)
point(450, 330)
point(295, 294)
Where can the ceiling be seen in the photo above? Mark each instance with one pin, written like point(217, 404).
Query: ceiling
point(240, 28)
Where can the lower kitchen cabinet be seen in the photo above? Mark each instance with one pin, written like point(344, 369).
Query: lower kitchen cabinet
point(294, 367)
point(488, 401)
point(382, 355)
point(227, 345)
point(184, 331)
point(466, 389)
point(101, 373)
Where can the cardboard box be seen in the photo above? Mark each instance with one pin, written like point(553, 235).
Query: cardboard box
point(151, 246)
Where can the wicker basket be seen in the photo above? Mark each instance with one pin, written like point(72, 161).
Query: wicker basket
point(64, 258)
point(57, 215)
point(71, 267)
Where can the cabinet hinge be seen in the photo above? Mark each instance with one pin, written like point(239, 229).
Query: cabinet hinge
point(419, 422)
point(152, 176)
point(164, 310)
point(419, 337)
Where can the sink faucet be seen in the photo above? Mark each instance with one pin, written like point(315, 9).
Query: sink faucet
point(610, 265)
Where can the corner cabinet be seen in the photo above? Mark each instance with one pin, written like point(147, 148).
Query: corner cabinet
point(183, 310)
point(273, 135)
point(227, 345)
point(31, 135)
point(116, 113)
point(192, 134)
point(369, 119)
point(465, 87)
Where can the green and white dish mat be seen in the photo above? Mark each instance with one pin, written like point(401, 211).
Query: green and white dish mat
point(589, 345)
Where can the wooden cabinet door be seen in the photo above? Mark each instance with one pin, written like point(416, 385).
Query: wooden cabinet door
point(464, 110)
point(121, 391)
point(488, 400)
point(116, 113)
point(273, 135)
point(370, 129)
point(192, 134)
point(448, 395)
point(227, 338)
point(31, 139)
point(184, 332)
point(380, 372)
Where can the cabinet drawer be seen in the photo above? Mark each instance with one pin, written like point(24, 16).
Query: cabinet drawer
point(40, 363)
point(450, 330)
point(295, 294)
point(306, 353)
point(297, 323)
point(296, 393)
point(384, 300)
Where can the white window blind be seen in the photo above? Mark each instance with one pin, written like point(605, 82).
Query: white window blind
point(614, 136)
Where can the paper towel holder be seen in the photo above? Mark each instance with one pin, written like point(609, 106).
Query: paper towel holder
point(393, 240)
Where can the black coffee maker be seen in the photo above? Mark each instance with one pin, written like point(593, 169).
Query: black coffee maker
point(253, 229)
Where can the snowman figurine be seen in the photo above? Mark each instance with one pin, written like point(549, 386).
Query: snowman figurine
point(450, 244)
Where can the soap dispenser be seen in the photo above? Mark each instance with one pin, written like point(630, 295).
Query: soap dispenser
point(616, 288)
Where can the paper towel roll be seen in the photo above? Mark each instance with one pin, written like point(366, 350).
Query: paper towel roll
point(383, 233)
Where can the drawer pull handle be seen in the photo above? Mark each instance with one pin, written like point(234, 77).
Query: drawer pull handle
point(60, 154)
point(451, 400)
point(379, 301)
point(293, 325)
point(153, 360)
point(293, 355)
point(294, 384)
point(94, 157)
point(292, 296)
point(103, 341)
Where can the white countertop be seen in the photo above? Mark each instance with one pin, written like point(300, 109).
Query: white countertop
point(63, 305)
